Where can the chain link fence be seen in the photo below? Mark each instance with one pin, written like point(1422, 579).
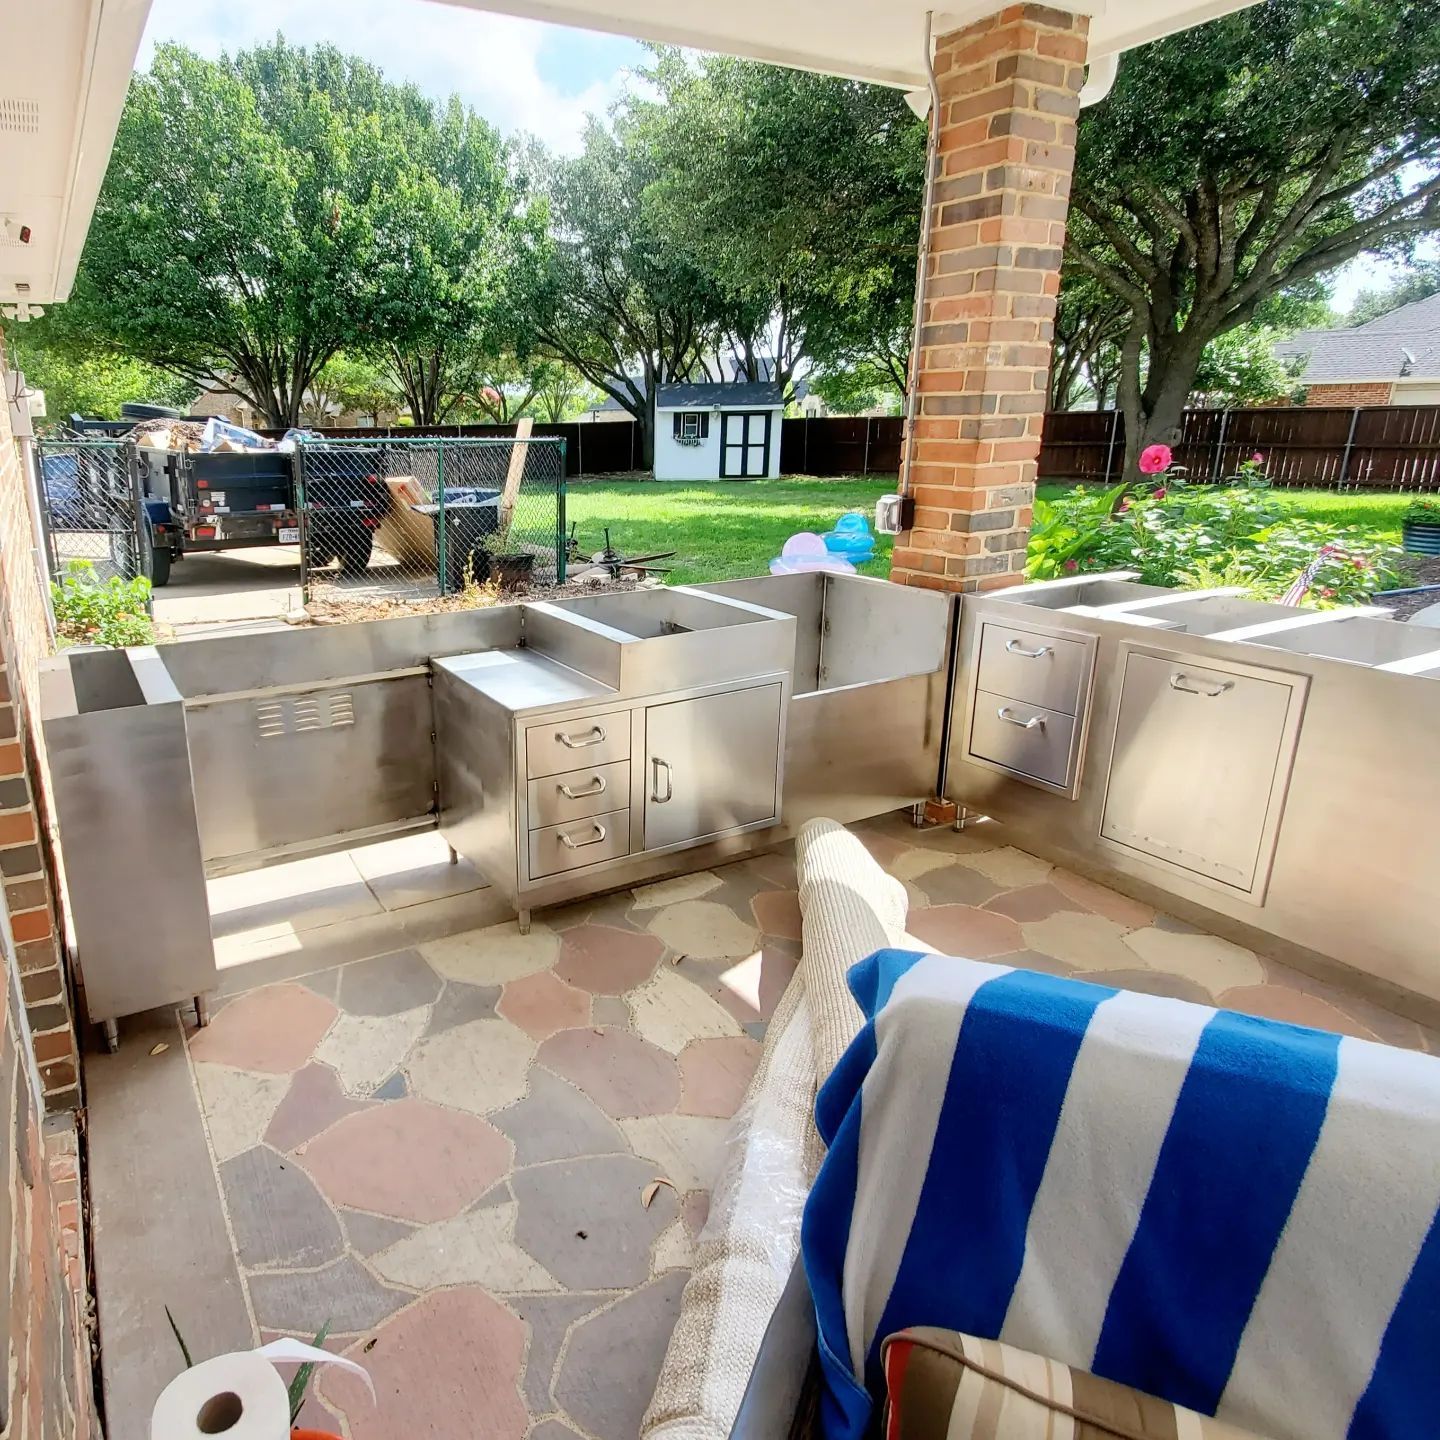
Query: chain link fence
point(415, 519)
point(90, 508)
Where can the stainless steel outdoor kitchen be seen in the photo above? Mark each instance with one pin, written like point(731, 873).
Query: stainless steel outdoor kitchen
point(1265, 770)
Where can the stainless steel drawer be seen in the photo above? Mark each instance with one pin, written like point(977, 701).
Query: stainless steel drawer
point(581, 740)
point(578, 843)
point(574, 794)
point(1028, 739)
point(1042, 669)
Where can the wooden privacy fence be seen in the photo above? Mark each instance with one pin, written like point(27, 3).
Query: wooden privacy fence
point(1378, 447)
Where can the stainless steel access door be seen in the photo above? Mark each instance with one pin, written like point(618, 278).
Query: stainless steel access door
point(1201, 763)
point(712, 764)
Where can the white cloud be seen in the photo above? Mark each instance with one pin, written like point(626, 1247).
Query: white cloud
point(519, 74)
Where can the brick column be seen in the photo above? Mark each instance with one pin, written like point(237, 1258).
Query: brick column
point(1009, 88)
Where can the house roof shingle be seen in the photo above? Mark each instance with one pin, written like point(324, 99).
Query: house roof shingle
point(760, 396)
point(1406, 342)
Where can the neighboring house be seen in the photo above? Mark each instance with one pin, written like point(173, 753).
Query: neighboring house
point(724, 432)
point(609, 409)
point(1393, 360)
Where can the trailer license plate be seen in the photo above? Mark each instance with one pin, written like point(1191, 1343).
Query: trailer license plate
point(289, 535)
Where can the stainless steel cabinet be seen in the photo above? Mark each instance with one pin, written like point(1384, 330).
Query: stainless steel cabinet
point(1200, 765)
point(711, 764)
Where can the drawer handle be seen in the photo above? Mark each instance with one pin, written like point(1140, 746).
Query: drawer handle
point(595, 839)
point(1016, 648)
point(1181, 681)
point(656, 766)
point(1035, 722)
point(595, 737)
point(598, 788)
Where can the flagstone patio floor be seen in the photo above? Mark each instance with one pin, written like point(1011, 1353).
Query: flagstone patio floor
point(482, 1159)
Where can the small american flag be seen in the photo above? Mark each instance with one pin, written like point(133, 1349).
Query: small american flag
point(1300, 587)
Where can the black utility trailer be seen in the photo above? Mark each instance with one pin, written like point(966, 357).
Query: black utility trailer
point(343, 495)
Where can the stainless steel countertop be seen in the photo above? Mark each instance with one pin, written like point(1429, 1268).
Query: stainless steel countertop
point(523, 680)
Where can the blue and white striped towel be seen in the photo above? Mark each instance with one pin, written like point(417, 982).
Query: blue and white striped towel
point(1235, 1214)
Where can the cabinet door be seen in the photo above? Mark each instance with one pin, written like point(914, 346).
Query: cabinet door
point(711, 764)
point(1200, 764)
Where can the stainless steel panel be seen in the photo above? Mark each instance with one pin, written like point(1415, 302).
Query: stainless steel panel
point(1028, 739)
point(802, 596)
point(582, 646)
point(577, 740)
point(579, 843)
point(1044, 667)
point(120, 781)
point(874, 631)
point(1197, 756)
point(711, 764)
point(276, 771)
point(574, 794)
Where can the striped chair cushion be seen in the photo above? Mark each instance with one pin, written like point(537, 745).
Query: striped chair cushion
point(946, 1386)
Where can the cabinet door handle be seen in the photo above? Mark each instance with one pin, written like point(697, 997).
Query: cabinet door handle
point(598, 788)
point(1035, 722)
point(571, 742)
point(1014, 647)
point(1181, 681)
point(595, 839)
point(656, 766)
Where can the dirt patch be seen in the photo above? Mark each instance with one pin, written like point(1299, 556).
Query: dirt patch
point(337, 610)
point(1424, 570)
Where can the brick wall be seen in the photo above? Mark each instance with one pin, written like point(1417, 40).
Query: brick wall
point(1374, 392)
point(1009, 88)
point(25, 854)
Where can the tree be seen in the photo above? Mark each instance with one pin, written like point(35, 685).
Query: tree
point(1242, 158)
point(350, 382)
point(800, 195)
point(850, 390)
point(614, 299)
point(1419, 282)
point(1240, 367)
point(78, 378)
point(1090, 323)
point(558, 392)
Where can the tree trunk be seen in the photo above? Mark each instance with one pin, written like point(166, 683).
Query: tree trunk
point(647, 433)
point(1155, 413)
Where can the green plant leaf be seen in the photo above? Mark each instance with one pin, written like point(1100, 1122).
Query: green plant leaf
point(301, 1379)
point(179, 1339)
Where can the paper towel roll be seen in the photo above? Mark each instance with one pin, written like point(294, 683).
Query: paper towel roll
point(240, 1397)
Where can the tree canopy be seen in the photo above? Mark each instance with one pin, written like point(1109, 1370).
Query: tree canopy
point(1245, 157)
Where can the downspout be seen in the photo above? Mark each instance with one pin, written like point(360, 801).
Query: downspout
point(922, 266)
point(1099, 77)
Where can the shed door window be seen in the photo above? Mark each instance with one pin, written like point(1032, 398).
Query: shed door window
point(692, 425)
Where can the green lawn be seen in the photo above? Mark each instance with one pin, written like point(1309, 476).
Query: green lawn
point(724, 529)
point(721, 529)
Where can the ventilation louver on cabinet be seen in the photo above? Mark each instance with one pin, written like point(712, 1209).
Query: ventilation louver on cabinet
point(275, 718)
point(19, 117)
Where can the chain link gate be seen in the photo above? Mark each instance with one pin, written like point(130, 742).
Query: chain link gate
point(90, 508)
point(416, 519)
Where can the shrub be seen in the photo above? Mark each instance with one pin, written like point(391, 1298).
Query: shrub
point(91, 611)
point(1200, 538)
point(1422, 512)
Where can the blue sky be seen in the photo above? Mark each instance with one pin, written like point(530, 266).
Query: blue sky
point(519, 74)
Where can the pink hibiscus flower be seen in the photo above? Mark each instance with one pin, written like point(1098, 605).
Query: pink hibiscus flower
point(1155, 459)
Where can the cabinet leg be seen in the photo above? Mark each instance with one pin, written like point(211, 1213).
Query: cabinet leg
point(202, 1010)
point(965, 816)
point(454, 857)
point(112, 1034)
point(522, 921)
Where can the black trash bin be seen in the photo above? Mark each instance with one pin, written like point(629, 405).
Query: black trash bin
point(471, 517)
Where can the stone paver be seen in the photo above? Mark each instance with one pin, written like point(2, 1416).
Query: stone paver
point(494, 955)
point(279, 1219)
point(621, 1073)
point(313, 1102)
point(613, 1360)
point(446, 1150)
point(448, 1366)
point(477, 1067)
point(408, 1159)
point(273, 1029)
point(556, 1121)
point(715, 1073)
point(364, 1050)
point(704, 929)
point(541, 1004)
point(1206, 959)
point(605, 960)
point(388, 984)
point(238, 1106)
point(585, 1222)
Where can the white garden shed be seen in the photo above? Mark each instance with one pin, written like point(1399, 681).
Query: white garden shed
point(718, 432)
